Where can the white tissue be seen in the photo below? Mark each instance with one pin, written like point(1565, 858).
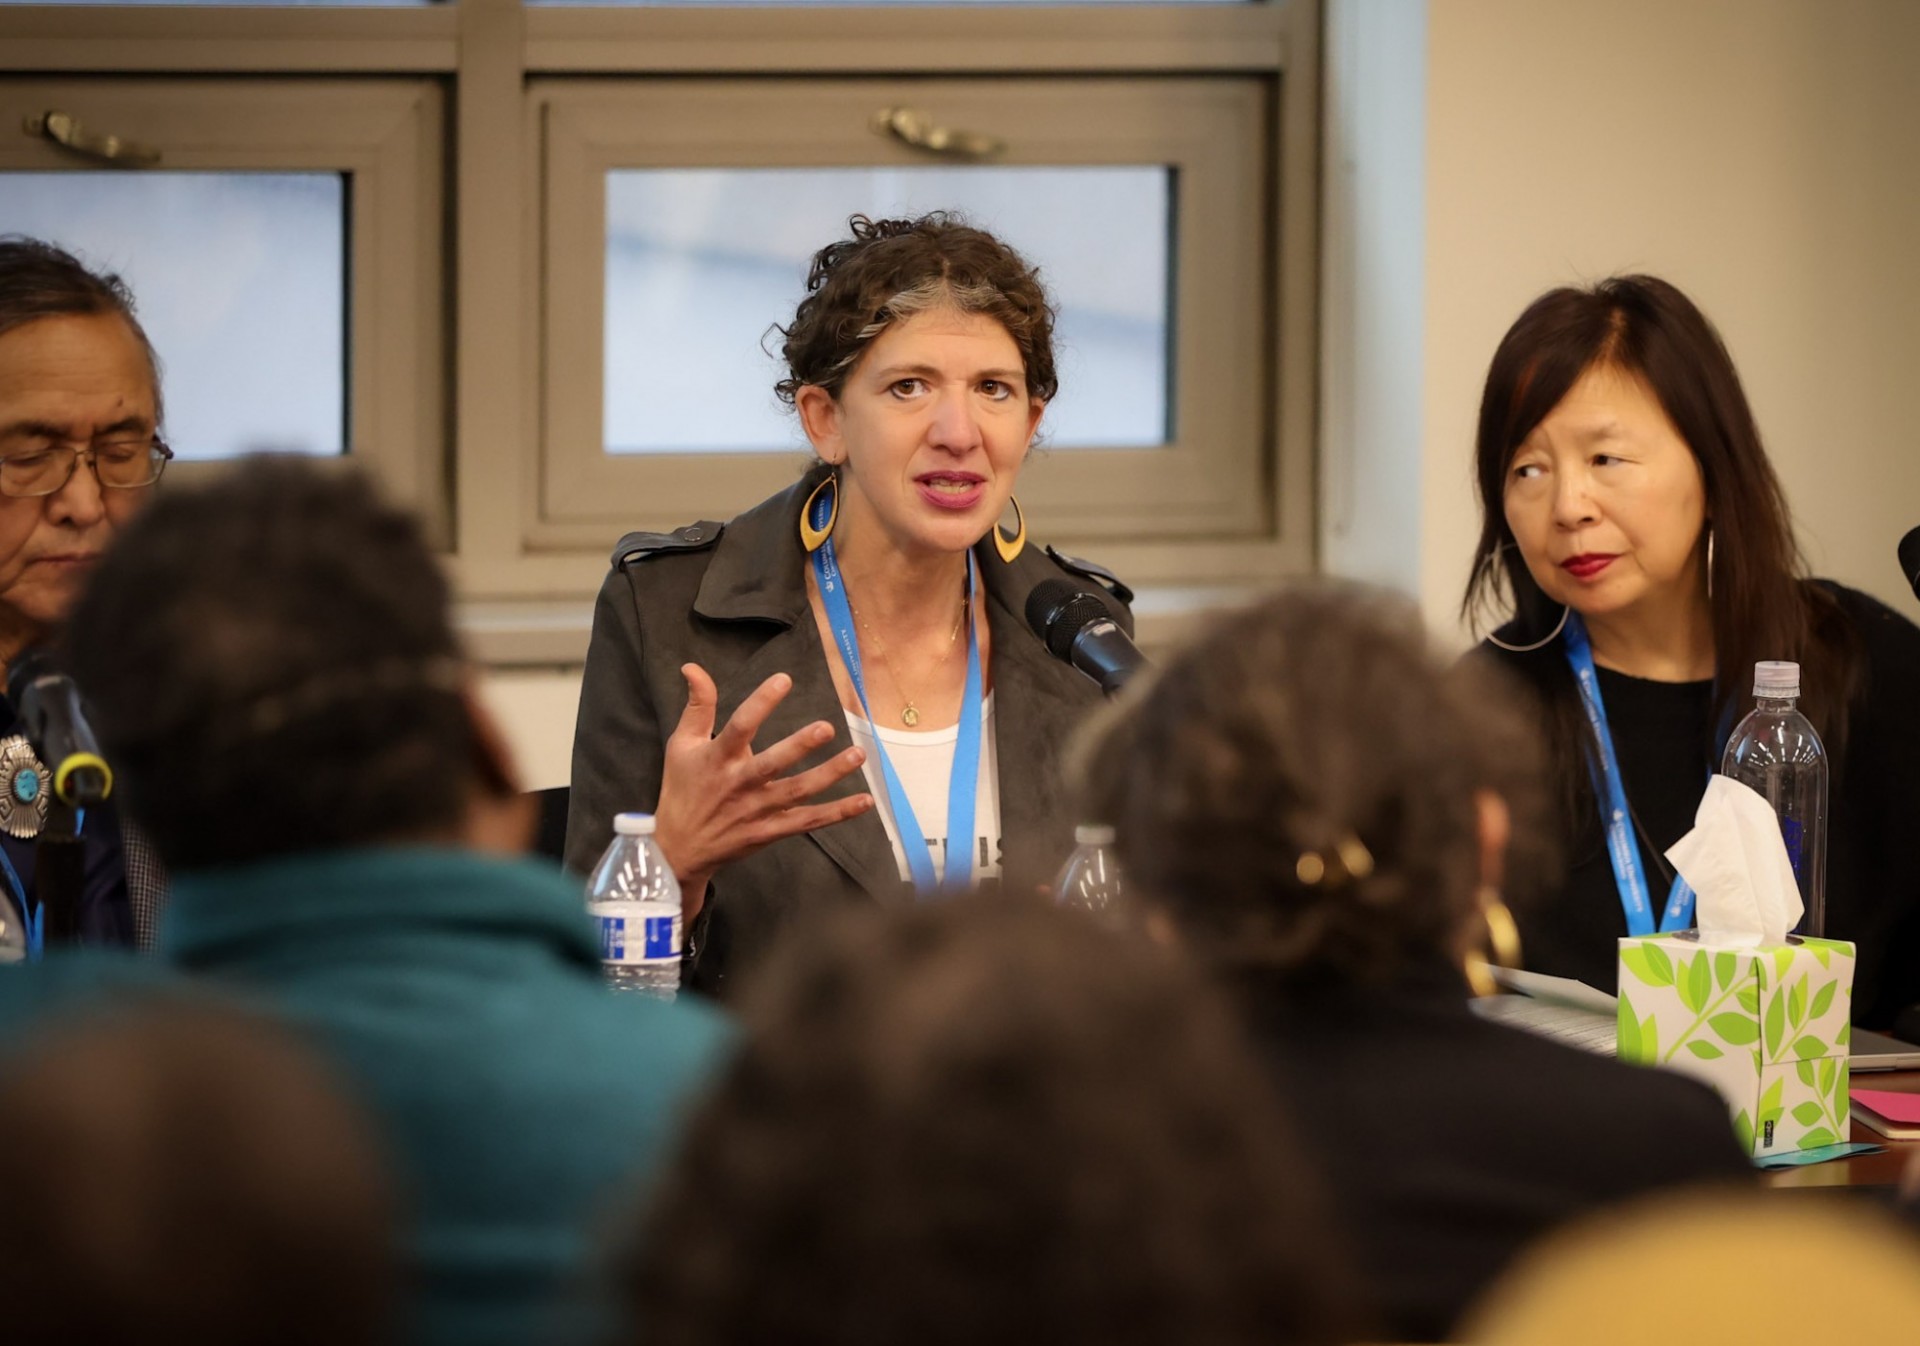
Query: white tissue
point(1736, 862)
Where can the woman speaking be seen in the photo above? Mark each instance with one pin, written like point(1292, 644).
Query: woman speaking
point(861, 629)
point(1630, 513)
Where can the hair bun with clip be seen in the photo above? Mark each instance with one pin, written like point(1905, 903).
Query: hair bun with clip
point(1347, 862)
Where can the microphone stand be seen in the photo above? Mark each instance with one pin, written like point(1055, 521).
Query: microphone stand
point(60, 856)
point(59, 875)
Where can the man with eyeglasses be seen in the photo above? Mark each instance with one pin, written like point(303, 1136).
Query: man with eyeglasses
point(79, 448)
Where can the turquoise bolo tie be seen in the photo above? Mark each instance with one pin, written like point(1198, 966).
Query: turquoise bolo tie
point(23, 789)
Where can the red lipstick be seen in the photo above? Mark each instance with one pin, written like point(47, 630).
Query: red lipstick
point(1588, 565)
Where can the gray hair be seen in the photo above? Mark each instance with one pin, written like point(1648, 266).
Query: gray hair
point(39, 280)
point(930, 295)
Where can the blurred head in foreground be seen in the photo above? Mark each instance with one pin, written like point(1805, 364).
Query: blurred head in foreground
point(187, 1175)
point(273, 670)
point(1311, 791)
point(983, 1121)
point(1769, 1269)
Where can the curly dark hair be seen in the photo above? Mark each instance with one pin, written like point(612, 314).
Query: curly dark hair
point(1318, 716)
point(273, 669)
point(891, 269)
point(986, 1120)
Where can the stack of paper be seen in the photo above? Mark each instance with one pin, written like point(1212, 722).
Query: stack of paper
point(1556, 1007)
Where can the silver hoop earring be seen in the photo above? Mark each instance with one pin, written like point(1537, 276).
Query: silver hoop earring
point(1545, 640)
point(1709, 563)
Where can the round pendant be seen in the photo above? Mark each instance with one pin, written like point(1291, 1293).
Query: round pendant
point(909, 717)
point(23, 789)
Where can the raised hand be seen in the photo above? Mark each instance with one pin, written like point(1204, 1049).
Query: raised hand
point(721, 801)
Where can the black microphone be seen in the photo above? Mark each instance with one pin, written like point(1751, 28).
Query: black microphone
point(56, 727)
point(1078, 628)
point(1910, 559)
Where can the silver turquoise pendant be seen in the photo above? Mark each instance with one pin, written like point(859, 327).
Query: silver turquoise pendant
point(24, 788)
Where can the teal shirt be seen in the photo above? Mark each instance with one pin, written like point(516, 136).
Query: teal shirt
point(525, 1103)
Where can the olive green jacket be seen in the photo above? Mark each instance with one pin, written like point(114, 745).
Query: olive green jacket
point(733, 599)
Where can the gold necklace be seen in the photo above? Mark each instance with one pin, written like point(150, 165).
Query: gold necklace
point(910, 713)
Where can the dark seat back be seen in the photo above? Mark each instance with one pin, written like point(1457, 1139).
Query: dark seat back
point(551, 838)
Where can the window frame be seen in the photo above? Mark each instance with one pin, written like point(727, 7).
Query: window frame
point(527, 598)
point(1203, 482)
point(385, 134)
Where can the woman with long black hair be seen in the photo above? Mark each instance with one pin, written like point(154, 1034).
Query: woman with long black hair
point(1632, 521)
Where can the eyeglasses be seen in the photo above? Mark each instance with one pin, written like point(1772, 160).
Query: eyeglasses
point(118, 465)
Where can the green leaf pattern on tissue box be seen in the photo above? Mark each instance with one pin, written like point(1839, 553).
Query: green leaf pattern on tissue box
point(1768, 1028)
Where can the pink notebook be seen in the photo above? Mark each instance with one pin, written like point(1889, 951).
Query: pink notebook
point(1891, 1114)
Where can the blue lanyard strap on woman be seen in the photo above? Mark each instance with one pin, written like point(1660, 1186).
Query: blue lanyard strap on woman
point(1622, 850)
point(965, 779)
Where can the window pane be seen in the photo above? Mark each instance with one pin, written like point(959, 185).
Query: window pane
point(240, 282)
point(701, 261)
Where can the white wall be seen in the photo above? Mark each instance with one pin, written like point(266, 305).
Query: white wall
point(535, 709)
point(1762, 154)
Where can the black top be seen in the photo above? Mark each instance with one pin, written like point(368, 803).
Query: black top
point(1448, 1144)
point(1666, 741)
point(106, 917)
point(1664, 736)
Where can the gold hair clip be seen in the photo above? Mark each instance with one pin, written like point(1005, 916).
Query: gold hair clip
point(1348, 862)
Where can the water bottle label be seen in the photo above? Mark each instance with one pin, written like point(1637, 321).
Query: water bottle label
point(649, 938)
point(661, 942)
point(613, 939)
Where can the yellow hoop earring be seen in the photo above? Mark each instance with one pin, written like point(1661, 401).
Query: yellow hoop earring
point(1011, 547)
point(811, 537)
point(1503, 940)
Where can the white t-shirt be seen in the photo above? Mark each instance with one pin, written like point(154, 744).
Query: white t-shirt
point(924, 764)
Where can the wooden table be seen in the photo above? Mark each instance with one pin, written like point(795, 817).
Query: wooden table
point(1864, 1170)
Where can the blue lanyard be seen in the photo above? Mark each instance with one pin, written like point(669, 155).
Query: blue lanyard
point(32, 916)
point(1622, 850)
point(965, 779)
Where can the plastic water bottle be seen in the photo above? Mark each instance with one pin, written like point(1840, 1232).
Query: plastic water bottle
point(1776, 752)
point(1090, 880)
point(635, 900)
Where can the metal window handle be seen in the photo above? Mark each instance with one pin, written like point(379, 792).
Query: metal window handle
point(65, 129)
point(913, 127)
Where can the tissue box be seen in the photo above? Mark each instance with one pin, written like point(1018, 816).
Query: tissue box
point(1767, 1027)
